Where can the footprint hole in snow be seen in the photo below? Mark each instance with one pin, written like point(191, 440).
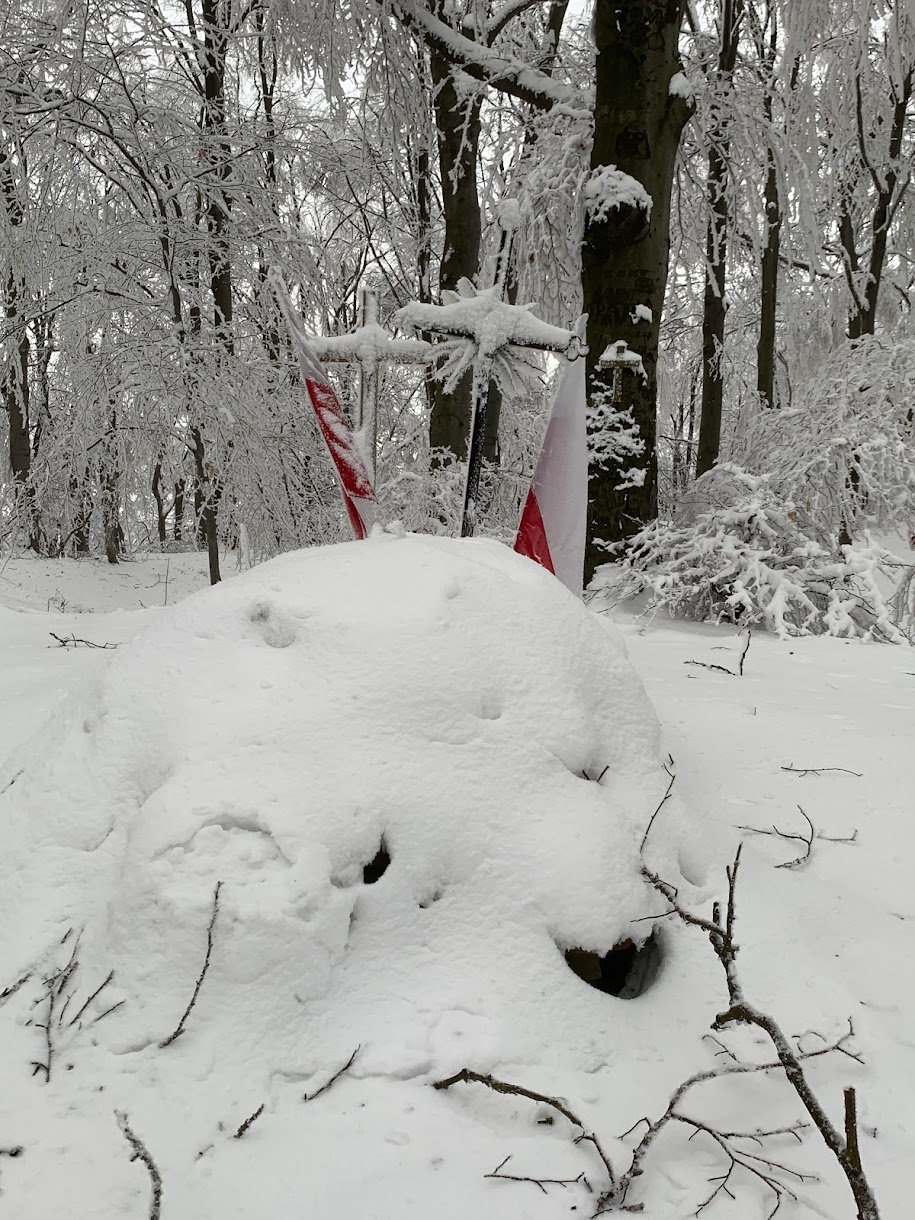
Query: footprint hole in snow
point(627, 971)
point(431, 900)
point(377, 866)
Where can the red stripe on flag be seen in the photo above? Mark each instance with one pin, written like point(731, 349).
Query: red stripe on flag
point(355, 481)
point(531, 540)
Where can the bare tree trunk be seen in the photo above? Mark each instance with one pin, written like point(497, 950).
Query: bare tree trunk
point(160, 505)
point(14, 380)
point(457, 122)
point(768, 287)
point(109, 476)
point(716, 250)
point(179, 509)
point(863, 318)
point(637, 128)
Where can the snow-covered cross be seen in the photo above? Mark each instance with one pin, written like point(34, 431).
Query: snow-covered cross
point(479, 329)
point(368, 347)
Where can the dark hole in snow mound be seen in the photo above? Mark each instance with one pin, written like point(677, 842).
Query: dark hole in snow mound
point(627, 971)
point(377, 867)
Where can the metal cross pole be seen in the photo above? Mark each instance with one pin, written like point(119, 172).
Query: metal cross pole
point(368, 347)
point(516, 328)
point(367, 421)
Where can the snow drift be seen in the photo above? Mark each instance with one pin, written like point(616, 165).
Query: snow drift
point(445, 706)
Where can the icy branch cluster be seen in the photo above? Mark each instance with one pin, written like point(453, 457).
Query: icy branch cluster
point(749, 561)
point(613, 437)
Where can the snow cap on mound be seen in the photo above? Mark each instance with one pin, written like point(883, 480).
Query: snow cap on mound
point(443, 708)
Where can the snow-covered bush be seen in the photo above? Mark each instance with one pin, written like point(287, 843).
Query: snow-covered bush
point(747, 558)
point(844, 450)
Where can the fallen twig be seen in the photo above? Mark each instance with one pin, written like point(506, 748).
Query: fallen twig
point(746, 649)
point(663, 801)
point(14, 987)
point(741, 1011)
point(336, 1076)
point(65, 641)
point(98, 991)
point(179, 1029)
point(708, 665)
point(541, 1183)
point(142, 1153)
point(807, 839)
point(598, 778)
point(252, 1118)
point(820, 770)
point(465, 1075)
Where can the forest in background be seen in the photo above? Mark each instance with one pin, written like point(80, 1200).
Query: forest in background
point(725, 186)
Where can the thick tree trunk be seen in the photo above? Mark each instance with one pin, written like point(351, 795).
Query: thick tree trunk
point(768, 289)
point(457, 121)
point(714, 310)
point(637, 128)
point(889, 191)
point(160, 505)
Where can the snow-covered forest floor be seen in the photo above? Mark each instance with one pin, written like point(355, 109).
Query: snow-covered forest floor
point(453, 727)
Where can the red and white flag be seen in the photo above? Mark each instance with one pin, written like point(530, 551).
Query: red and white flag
point(355, 481)
point(552, 529)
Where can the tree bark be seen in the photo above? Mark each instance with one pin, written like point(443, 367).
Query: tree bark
point(637, 128)
point(768, 289)
point(457, 121)
point(714, 310)
point(14, 383)
point(863, 317)
point(160, 505)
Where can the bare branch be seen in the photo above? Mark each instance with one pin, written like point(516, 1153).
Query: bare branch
point(252, 1118)
point(465, 1075)
point(541, 1183)
point(141, 1153)
point(336, 1076)
point(517, 79)
point(179, 1029)
point(821, 770)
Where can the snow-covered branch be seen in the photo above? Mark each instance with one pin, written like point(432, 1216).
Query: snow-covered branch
point(505, 73)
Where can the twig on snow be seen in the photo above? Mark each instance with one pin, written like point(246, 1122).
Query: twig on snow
point(336, 1076)
point(541, 1183)
point(142, 1153)
point(54, 984)
point(807, 839)
point(66, 640)
point(252, 1118)
point(98, 991)
point(179, 1029)
point(821, 770)
point(740, 1011)
point(746, 649)
point(723, 669)
point(14, 987)
point(465, 1075)
point(595, 779)
point(663, 801)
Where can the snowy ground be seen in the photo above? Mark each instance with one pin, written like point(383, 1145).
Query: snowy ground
point(445, 699)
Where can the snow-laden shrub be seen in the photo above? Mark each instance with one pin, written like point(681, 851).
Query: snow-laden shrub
point(844, 450)
point(749, 560)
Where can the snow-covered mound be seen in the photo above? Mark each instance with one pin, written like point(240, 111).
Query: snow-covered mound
point(445, 709)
